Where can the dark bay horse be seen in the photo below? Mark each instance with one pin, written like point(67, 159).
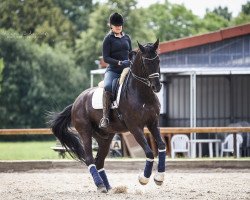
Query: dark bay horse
point(139, 107)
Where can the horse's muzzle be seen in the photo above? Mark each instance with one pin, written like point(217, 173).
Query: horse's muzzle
point(156, 88)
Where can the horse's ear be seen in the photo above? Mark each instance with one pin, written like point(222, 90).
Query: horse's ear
point(142, 49)
point(156, 44)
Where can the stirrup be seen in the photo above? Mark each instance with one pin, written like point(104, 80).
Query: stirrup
point(104, 122)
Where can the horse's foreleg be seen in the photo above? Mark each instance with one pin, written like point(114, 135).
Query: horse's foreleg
point(140, 138)
point(159, 176)
point(103, 149)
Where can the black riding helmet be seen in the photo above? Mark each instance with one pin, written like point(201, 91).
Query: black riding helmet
point(116, 19)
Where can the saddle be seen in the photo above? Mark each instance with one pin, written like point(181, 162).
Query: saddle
point(116, 91)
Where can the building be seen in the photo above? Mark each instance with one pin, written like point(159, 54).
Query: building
point(207, 78)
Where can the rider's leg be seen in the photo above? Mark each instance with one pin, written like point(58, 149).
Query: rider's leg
point(107, 100)
point(107, 97)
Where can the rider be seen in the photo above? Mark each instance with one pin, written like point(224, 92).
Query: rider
point(116, 47)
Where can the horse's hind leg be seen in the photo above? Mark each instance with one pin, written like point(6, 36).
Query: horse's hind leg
point(86, 134)
point(159, 176)
point(103, 149)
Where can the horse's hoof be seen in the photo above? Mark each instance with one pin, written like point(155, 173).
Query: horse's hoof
point(159, 178)
point(142, 179)
point(102, 189)
point(142, 183)
point(158, 182)
point(109, 188)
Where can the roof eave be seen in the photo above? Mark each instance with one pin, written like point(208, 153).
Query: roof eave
point(197, 40)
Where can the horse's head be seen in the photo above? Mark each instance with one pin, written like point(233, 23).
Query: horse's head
point(151, 63)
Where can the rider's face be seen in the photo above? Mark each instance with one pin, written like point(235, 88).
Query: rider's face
point(116, 29)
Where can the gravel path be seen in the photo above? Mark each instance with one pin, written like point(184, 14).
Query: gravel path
point(77, 184)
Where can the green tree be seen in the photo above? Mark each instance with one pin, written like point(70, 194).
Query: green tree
point(77, 11)
point(1, 71)
point(245, 8)
point(35, 79)
point(213, 22)
point(171, 21)
point(241, 19)
point(88, 47)
point(40, 20)
point(224, 12)
point(123, 6)
point(244, 15)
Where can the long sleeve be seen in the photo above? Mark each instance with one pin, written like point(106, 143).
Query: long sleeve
point(106, 52)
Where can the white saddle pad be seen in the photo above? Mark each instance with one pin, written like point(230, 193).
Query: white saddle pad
point(97, 99)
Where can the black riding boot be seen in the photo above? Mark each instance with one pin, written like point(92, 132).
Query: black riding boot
point(107, 98)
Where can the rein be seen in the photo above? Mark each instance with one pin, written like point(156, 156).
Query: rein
point(146, 81)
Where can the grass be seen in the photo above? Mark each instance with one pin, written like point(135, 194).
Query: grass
point(41, 150)
point(30, 150)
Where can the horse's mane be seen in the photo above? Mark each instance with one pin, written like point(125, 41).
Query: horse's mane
point(132, 55)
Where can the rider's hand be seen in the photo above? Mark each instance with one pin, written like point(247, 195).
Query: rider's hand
point(125, 63)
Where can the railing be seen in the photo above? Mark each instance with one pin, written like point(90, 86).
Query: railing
point(189, 130)
point(163, 130)
point(33, 131)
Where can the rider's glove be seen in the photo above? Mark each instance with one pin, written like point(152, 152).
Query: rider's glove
point(125, 63)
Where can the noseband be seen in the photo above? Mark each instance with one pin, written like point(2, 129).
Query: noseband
point(153, 75)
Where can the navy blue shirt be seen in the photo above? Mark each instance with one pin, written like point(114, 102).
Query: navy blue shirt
point(115, 49)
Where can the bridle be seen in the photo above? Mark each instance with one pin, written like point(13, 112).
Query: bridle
point(146, 81)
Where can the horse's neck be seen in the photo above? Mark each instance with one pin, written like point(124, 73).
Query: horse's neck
point(136, 87)
point(137, 66)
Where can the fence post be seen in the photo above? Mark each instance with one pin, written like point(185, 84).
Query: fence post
point(235, 144)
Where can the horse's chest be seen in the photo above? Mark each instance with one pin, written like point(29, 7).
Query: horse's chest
point(140, 109)
point(146, 111)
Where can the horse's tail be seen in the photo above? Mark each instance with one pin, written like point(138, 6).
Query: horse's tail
point(60, 126)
